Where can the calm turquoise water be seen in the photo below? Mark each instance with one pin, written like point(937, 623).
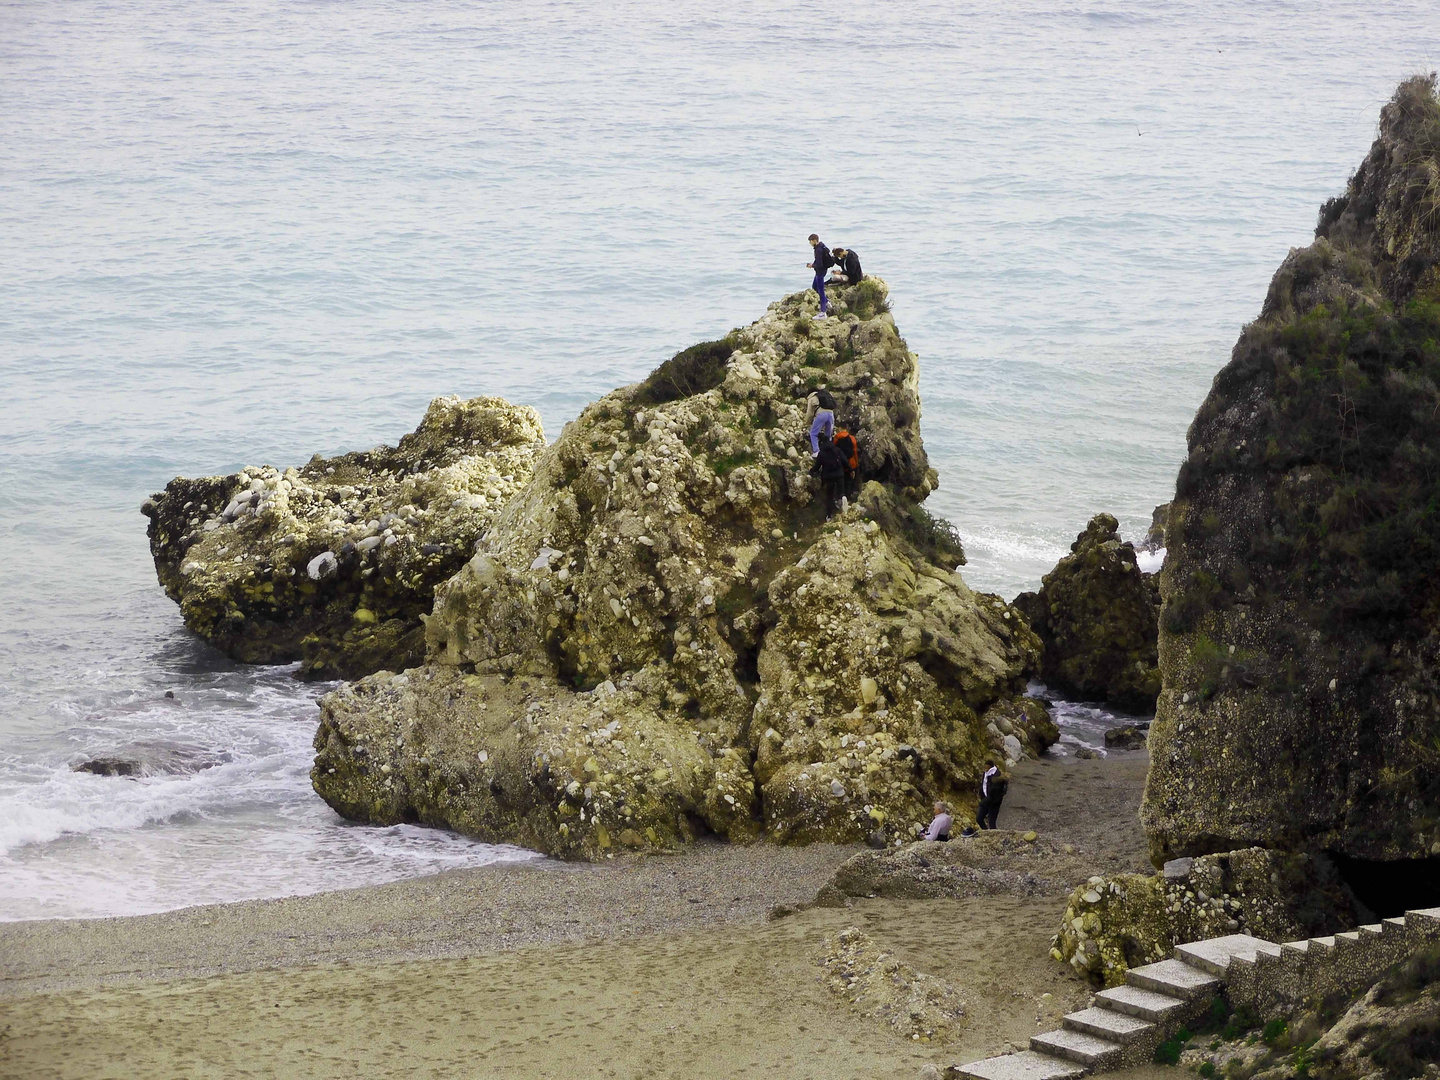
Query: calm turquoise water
point(248, 232)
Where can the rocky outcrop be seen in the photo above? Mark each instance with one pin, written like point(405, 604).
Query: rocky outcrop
point(1299, 645)
point(334, 563)
point(916, 1006)
point(1118, 923)
point(991, 863)
point(1096, 615)
point(661, 636)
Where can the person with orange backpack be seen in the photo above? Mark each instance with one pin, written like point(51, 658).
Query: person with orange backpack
point(850, 448)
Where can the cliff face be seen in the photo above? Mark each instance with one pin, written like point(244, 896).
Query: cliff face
point(660, 635)
point(334, 563)
point(1298, 639)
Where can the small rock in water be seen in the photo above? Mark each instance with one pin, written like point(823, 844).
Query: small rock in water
point(1126, 737)
point(1086, 752)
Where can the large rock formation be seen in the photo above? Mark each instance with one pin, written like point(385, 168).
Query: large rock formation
point(1299, 641)
point(660, 636)
point(1096, 616)
point(334, 563)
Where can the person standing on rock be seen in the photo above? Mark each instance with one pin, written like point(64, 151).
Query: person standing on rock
point(993, 786)
point(822, 262)
point(849, 264)
point(830, 463)
point(820, 419)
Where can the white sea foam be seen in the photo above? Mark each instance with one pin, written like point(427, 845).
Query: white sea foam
point(1150, 562)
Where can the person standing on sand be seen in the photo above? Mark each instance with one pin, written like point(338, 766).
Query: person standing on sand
point(823, 261)
point(993, 786)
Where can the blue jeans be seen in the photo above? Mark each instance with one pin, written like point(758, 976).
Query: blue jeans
point(819, 287)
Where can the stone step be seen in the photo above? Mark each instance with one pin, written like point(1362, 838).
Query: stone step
point(1085, 1049)
point(1135, 1001)
point(1174, 978)
point(1424, 923)
point(1108, 1024)
point(1215, 954)
point(1026, 1065)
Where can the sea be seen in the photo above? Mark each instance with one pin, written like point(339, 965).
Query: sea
point(248, 232)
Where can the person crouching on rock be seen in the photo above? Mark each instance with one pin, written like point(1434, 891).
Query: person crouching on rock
point(993, 786)
point(822, 262)
point(940, 828)
point(830, 464)
point(849, 264)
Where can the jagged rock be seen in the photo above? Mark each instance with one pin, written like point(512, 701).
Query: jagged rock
point(334, 563)
point(1299, 647)
point(917, 1006)
point(1155, 536)
point(1096, 615)
point(1113, 924)
point(1126, 737)
point(661, 634)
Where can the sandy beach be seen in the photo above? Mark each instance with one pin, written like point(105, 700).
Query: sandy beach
point(653, 967)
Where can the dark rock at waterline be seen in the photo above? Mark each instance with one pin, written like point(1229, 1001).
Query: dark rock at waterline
point(152, 759)
point(1096, 614)
point(1126, 737)
point(1155, 536)
point(1299, 644)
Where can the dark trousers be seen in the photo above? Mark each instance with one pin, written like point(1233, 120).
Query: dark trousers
point(819, 287)
point(834, 489)
point(987, 812)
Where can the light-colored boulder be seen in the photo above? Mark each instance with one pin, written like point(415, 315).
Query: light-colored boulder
point(661, 635)
point(334, 563)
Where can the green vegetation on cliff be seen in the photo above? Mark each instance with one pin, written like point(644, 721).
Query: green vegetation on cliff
point(1298, 645)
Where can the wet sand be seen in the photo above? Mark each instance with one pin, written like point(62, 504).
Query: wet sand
point(662, 966)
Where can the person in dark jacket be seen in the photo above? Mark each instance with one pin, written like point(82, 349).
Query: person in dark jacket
point(849, 264)
point(993, 786)
point(822, 262)
point(830, 463)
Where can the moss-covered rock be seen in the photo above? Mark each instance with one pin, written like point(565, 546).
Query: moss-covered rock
point(1298, 641)
point(1112, 925)
point(1096, 615)
point(698, 649)
point(334, 563)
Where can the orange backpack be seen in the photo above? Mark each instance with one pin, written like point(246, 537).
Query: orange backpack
point(849, 447)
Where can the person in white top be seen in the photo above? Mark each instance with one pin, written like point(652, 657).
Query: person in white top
point(940, 827)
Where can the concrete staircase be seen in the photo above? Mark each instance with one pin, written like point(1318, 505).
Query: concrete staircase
point(1125, 1024)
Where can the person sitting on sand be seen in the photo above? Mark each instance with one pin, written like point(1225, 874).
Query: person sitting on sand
point(822, 262)
point(849, 263)
point(940, 827)
point(993, 786)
